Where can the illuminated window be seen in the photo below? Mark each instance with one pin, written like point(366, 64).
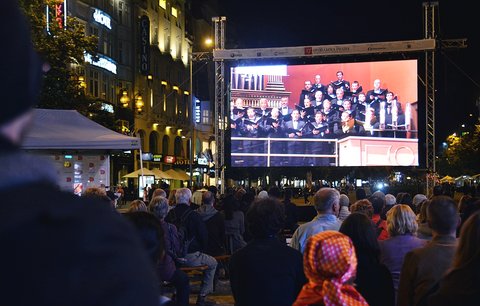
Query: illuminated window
point(163, 4)
point(174, 12)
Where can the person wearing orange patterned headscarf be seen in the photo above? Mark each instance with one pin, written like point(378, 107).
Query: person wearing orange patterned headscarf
point(330, 264)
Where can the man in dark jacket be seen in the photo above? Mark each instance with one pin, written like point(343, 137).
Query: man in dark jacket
point(196, 232)
point(57, 248)
point(215, 222)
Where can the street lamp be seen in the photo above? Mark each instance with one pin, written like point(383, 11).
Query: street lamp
point(139, 102)
point(124, 99)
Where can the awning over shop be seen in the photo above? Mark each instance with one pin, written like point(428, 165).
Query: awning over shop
point(182, 174)
point(138, 172)
point(177, 175)
point(159, 174)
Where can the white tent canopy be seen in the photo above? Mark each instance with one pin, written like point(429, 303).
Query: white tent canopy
point(68, 129)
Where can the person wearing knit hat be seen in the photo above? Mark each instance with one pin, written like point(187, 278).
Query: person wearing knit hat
point(69, 249)
point(330, 265)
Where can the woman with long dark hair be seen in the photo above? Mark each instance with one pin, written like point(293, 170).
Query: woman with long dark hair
point(373, 281)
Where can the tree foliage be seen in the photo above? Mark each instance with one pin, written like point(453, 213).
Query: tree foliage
point(62, 49)
point(462, 155)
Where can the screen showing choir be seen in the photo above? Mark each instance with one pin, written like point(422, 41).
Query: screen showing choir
point(302, 115)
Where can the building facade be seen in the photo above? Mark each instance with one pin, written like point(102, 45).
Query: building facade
point(143, 75)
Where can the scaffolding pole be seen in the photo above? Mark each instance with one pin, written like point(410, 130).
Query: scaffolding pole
point(219, 118)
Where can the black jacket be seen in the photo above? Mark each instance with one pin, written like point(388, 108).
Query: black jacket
point(60, 249)
point(195, 227)
point(266, 272)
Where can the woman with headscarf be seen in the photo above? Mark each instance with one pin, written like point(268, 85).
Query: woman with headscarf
point(330, 265)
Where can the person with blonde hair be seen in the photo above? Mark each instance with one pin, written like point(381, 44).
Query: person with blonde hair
point(330, 265)
point(137, 205)
point(402, 227)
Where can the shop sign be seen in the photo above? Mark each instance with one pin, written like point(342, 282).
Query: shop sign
point(144, 45)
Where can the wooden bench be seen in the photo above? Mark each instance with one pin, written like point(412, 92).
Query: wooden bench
point(194, 272)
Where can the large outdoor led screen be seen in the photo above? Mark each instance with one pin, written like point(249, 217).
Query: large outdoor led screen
point(343, 114)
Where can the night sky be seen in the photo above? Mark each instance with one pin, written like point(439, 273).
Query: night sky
point(265, 23)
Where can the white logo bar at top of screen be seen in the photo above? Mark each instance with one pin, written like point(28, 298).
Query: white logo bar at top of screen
point(327, 50)
point(262, 70)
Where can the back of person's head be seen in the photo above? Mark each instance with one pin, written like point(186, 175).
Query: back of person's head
point(325, 199)
point(159, 192)
point(404, 198)
point(442, 215)
point(265, 218)
point(422, 217)
point(401, 220)
point(288, 194)
point(94, 192)
point(248, 197)
point(159, 207)
point(437, 190)
point(137, 205)
point(150, 231)
point(472, 205)
point(417, 201)
point(97, 193)
point(359, 228)
point(465, 201)
point(262, 195)
point(330, 263)
point(468, 251)
point(208, 198)
point(183, 196)
point(390, 199)
point(213, 190)
point(171, 197)
point(379, 194)
point(360, 194)
point(378, 203)
point(21, 66)
point(239, 193)
point(364, 207)
point(274, 191)
point(344, 200)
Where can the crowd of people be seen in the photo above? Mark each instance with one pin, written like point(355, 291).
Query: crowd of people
point(396, 249)
point(322, 112)
point(61, 249)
